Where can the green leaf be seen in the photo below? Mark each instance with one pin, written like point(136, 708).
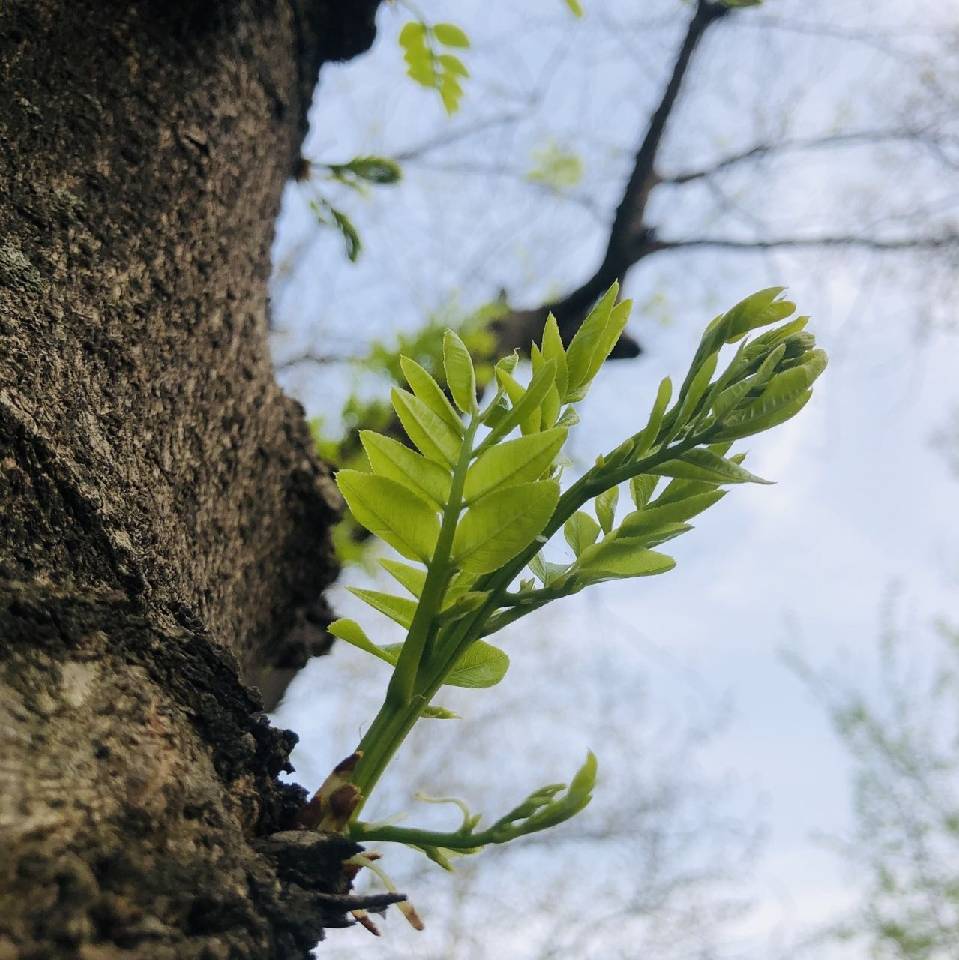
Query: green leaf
point(422, 71)
point(351, 238)
point(428, 431)
point(554, 350)
point(412, 578)
point(450, 35)
point(568, 418)
point(581, 531)
point(784, 396)
point(413, 36)
point(618, 558)
point(516, 461)
point(647, 436)
point(450, 93)
point(668, 531)
point(758, 310)
point(677, 490)
point(657, 515)
point(575, 7)
point(700, 464)
point(379, 170)
point(495, 413)
point(606, 508)
point(394, 460)
point(501, 524)
point(550, 408)
point(352, 632)
point(399, 609)
point(691, 393)
point(537, 567)
point(595, 338)
point(460, 377)
point(641, 488)
point(459, 604)
point(429, 391)
point(392, 512)
point(750, 422)
point(527, 404)
point(482, 665)
point(453, 65)
point(530, 422)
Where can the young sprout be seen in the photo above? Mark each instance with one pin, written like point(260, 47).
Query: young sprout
point(472, 503)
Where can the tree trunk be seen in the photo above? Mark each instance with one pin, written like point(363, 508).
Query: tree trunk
point(163, 521)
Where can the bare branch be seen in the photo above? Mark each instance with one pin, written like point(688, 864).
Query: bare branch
point(320, 359)
point(941, 242)
point(859, 138)
point(624, 246)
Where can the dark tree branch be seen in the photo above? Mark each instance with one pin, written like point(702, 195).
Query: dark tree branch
point(941, 242)
point(628, 233)
point(864, 137)
point(317, 359)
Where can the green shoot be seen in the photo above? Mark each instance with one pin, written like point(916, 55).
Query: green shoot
point(472, 503)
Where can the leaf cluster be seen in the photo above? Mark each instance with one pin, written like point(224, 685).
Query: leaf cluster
point(430, 62)
point(356, 174)
point(471, 504)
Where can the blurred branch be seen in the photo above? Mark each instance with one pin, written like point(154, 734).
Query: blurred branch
point(450, 137)
point(622, 251)
point(944, 241)
point(308, 356)
point(861, 138)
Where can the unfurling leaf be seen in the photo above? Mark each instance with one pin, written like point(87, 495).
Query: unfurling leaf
point(606, 508)
point(595, 339)
point(527, 403)
point(701, 464)
point(439, 713)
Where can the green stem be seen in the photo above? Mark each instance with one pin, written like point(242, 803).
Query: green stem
point(404, 703)
point(400, 690)
point(427, 838)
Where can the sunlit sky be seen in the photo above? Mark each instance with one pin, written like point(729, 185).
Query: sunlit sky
point(863, 504)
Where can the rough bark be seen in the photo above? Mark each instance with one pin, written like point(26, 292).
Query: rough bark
point(164, 525)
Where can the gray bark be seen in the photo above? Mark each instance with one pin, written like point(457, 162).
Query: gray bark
point(163, 521)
